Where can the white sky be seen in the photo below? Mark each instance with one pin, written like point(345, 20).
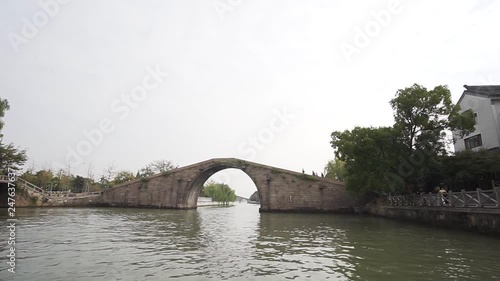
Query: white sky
point(229, 71)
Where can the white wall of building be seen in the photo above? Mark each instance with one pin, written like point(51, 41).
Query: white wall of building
point(496, 113)
point(487, 121)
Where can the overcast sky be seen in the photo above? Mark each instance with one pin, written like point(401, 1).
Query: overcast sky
point(128, 82)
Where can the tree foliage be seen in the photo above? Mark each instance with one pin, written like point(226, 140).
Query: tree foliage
point(4, 106)
point(44, 178)
point(368, 153)
point(335, 170)
point(123, 176)
point(107, 177)
point(156, 167)
point(59, 181)
point(11, 157)
point(63, 180)
point(399, 157)
point(467, 170)
point(78, 184)
point(422, 116)
point(220, 192)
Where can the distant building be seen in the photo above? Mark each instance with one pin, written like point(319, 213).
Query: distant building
point(484, 103)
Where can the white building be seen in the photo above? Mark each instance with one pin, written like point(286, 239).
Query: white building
point(484, 102)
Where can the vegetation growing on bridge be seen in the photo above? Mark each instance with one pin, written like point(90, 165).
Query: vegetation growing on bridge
point(219, 192)
point(237, 163)
point(309, 177)
point(166, 173)
point(156, 167)
point(123, 176)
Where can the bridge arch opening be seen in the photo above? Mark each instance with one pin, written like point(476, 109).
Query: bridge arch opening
point(235, 177)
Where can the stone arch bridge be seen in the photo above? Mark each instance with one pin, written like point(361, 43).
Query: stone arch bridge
point(279, 189)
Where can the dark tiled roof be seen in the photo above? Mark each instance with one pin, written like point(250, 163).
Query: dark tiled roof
point(487, 91)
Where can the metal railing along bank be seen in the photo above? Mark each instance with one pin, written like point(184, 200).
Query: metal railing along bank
point(470, 199)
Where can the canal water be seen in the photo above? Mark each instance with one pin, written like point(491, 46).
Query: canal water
point(237, 243)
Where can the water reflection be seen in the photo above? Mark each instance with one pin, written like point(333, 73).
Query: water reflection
point(238, 243)
point(304, 245)
point(388, 248)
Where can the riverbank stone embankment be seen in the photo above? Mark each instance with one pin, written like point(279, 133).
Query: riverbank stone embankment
point(483, 220)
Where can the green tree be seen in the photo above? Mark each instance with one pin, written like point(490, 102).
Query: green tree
point(220, 193)
point(335, 169)
point(29, 175)
point(4, 106)
point(60, 181)
point(55, 183)
point(11, 157)
point(106, 179)
point(44, 179)
point(368, 153)
point(209, 189)
point(469, 170)
point(123, 176)
point(423, 116)
point(399, 158)
point(78, 184)
point(156, 167)
point(65, 180)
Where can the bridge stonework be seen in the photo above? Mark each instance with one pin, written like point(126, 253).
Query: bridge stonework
point(279, 190)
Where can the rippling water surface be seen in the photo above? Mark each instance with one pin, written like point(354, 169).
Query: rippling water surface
point(238, 243)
